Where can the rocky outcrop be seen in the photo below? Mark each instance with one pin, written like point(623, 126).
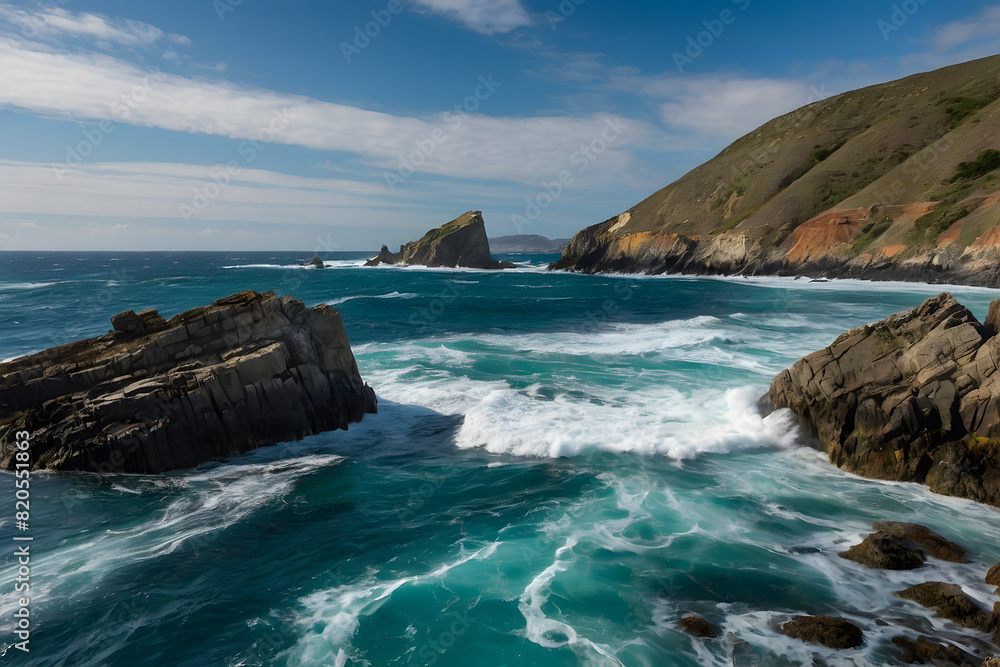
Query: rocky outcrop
point(951, 602)
point(924, 539)
point(698, 626)
point(830, 631)
point(885, 552)
point(459, 243)
point(902, 546)
point(152, 395)
point(896, 181)
point(993, 576)
point(316, 262)
point(925, 651)
point(914, 398)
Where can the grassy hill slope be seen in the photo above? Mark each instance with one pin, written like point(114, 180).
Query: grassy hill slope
point(893, 181)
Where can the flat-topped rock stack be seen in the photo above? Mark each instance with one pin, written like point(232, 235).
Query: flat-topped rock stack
point(152, 395)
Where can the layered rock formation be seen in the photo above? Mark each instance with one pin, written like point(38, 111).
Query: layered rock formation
point(915, 398)
point(246, 371)
point(459, 243)
point(897, 181)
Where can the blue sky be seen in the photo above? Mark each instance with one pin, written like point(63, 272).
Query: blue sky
point(255, 124)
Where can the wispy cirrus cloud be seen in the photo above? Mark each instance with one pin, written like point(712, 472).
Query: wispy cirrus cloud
point(692, 108)
point(734, 106)
point(54, 23)
point(985, 25)
point(154, 190)
point(488, 17)
point(518, 149)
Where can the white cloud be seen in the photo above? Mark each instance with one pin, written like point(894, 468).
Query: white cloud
point(54, 23)
point(959, 33)
point(489, 17)
point(100, 87)
point(733, 106)
point(157, 190)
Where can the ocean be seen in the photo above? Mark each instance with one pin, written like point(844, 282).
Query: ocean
point(562, 465)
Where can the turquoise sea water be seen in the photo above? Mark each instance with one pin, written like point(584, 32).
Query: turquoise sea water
point(562, 466)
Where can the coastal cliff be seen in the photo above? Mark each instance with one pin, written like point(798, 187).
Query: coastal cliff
point(459, 243)
point(153, 395)
point(898, 181)
point(913, 398)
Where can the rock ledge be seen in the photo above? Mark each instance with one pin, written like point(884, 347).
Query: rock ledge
point(246, 371)
point(913, 398)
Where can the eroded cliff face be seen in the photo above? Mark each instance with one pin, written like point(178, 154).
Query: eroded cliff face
point(459, 243)
point(246, 371)
point(899, 181)
point(913, 398)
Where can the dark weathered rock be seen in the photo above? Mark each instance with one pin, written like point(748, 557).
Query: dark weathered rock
point(887, 552)
point(925, 539)
point(925, 651)
point(143, 322)
point(697, 625)
point(950, 601)
point(246, 371)
point(915, 398)
point(991, 662)
point(459, 243)
point(993, 576)
point(830, 631)
point(316, 262)
point(385, 256)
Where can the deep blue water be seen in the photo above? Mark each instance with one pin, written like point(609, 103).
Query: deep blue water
point(562, 466)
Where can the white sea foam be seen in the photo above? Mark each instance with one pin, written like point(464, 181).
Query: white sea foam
point(269, 266)
point(666, 422)
point(327, 619)
point(553, 633)
point(211, 501)
point(20, 287)
point(390, 295)
point(519, 267)
point(702, 339)
point(652, 412)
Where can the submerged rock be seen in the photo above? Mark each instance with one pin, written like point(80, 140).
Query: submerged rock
point(951, 602)
point(459, 243)
point(887, 552)
point(246, 371)
point(914, 398)
point(927, 540)
point(902, 546)
point(830, 631)
point(925, 651)
point(697, 625)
